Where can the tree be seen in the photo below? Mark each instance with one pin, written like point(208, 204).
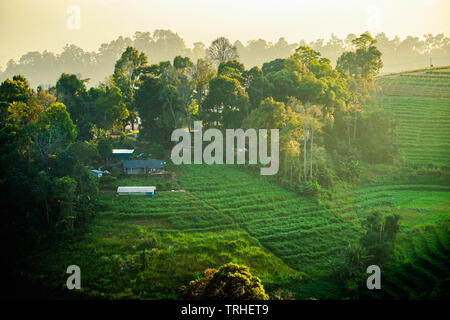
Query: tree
point(196, 288)
point(154, 119)
point(63, 191)
point(177, 90)
point(44, 98)
point(360, 68)
point(126, 75)
point(165, 45)
point(202, 72)
point(365, 62)
point(54, 128)
point(310, 118)
point(257, 87)
point(380, 237)
point(22, 113)
point(15, 90)
point(84, 152)
point(275, 115)
point(221, 50)
point(104, 148)
point(234, 282)
point(110, 109)
point(71, 91)
point(226, 104)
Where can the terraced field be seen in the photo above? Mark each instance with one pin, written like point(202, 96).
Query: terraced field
point(425, 275)
point(308, 235)
point(221, 213)
point(420, 102)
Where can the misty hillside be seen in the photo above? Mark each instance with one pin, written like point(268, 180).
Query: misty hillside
point(44, 68)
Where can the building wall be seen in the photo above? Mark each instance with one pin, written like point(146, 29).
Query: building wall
point(135, 171)
point(148, 194)
point(140, 171)
point(121, 156)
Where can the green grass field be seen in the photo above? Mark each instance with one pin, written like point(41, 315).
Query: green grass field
point(149, 247)
point(420, 102)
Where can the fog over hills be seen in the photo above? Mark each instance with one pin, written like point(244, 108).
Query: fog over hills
point(43, 68)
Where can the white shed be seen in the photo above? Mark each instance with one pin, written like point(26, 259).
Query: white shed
point(144, 191)
point(122, 153)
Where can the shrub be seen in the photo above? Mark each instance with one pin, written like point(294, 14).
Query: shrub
point(157, 151)
point(229, 282)
point(107, 180)
point(308, 188)
point(116, 172)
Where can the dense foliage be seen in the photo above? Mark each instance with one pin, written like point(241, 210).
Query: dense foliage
point(335, 131)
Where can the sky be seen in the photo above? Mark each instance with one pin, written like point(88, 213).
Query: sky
point(38, 25)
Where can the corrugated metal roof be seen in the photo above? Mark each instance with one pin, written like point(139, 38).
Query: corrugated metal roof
point(147, 164)
point(136, 189)
point(122, 151)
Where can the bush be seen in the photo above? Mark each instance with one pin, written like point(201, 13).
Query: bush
point(234, 282)
point(108, 180)
point(116, 172)
point(308, 188)
point(230, 282)
point(157, 151)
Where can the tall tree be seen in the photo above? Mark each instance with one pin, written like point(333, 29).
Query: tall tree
point(71, 91)
point(110, 109)
point(126, 75)
point(53, 129)
point(360, 67)
point(221, 50)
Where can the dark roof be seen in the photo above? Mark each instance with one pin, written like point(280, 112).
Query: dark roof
point(147, 164)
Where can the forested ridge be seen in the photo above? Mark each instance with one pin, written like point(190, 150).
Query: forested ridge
point(44, 68)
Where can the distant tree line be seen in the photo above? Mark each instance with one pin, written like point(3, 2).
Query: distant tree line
point(44, 68)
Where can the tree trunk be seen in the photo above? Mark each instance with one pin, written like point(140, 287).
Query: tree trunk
point(304, 153)
point(354, 127)
point(285, 167)
point(348, 133)
point(311, 154)
point(46, 212)
point(291, 172)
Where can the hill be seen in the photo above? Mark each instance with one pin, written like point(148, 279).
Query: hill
point(420, 101)
point(204, 216)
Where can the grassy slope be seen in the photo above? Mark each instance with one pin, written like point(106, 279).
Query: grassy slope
point(144, 247)
point(223, 214)
point(420, 102)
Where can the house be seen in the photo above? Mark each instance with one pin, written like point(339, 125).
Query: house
point(142, 166)
point(122, 153)
point(143, 191)
point(97, 173)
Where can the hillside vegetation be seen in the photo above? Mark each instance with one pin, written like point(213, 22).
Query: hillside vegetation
point(150, 247)
point(420, 102)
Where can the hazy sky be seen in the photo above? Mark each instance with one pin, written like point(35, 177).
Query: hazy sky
point(30, 25)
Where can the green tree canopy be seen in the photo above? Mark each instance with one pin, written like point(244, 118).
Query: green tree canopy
point(234, 282)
